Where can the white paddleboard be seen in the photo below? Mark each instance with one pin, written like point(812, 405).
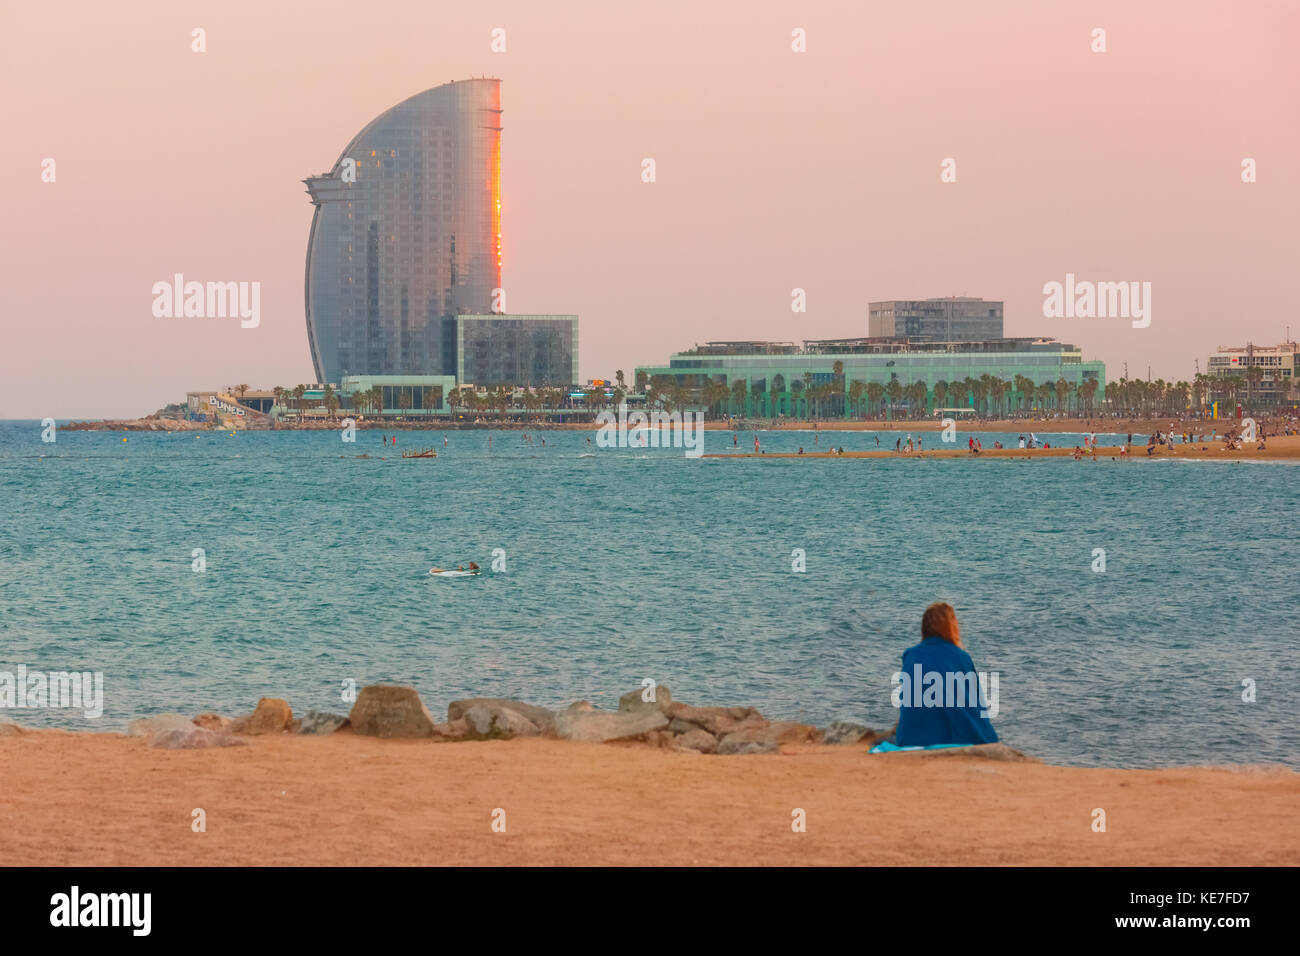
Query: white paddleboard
point(452, 574)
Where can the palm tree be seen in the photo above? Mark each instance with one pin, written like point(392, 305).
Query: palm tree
point(894, 389)
point(403, 402)
point(331, 400)
point(857, 389)
point(242, 390)
point(618, 377)
point(1253, 376)
point(298, 392)
point(739, 393)
point(875, 392)
point(916, 393)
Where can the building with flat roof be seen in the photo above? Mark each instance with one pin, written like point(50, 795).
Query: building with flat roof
point(951, 319)
point(1272, 384)
point(406, 234)
point(411, 396)
point(519, 350)
point(841, 376)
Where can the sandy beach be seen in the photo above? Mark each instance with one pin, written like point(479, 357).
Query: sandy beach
point(342, 799)
point(1280, 448)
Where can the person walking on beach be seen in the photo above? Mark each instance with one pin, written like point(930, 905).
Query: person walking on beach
point(756, 444)
point(961, 715)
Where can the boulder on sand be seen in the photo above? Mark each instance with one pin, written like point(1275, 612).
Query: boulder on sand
point(271, 716)
point(212, 721)
point(9, 728)
point(497, 721)
point(540, 717)
point(635, 699)
point(319, 722)
point(148, 726)
point(750, 740)
point(196, 738)
point(384, 710)
point(718, 721)
point(453, 730)
point(997, 751)
point(601, 726)
point(844, 732)
point(696, 741)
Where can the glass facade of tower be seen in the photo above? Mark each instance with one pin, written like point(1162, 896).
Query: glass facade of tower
point(954, 319)
point(406, 234)
point(520, 350)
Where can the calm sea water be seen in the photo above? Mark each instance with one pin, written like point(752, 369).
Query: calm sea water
point(627, 564)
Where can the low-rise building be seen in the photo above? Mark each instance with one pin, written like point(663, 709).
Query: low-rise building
point(848, 376)
point(1230, 377)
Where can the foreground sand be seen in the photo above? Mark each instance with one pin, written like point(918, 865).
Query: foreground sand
point(100, 799)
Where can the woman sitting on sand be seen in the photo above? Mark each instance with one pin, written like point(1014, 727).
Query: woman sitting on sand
point(955, 715)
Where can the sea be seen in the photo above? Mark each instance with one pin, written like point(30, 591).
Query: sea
point(1135, 613)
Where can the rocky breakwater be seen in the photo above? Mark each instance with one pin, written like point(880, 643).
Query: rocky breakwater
point(645, 717)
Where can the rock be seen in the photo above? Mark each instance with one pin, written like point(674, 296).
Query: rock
point(718, 721)
point(540, 717)
point(599, 726)
point(453, 730)
point(633, 700)
point(496, 721)
point(319, 722)
point(271, 716)
point(997, 751)
point(212, 722)
point(792, 732)
point(581, 705)
point(383, 710)
point(845, 732)
point(148, 726)
point(9, 729)
point(750, 740)
point(696, 741)
point(196, 738)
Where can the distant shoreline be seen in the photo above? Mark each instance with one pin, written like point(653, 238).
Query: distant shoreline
point(1102, 426)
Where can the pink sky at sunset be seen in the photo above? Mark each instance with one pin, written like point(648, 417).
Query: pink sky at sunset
point(775, 170)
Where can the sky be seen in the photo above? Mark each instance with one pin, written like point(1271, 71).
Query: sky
point(775, 170)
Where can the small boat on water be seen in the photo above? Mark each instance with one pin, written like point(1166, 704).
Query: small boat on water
point(422, 453)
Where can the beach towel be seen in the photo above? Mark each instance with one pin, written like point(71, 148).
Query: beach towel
point(885, 747)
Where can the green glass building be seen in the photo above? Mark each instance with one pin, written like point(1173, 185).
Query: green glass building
point(891, 376)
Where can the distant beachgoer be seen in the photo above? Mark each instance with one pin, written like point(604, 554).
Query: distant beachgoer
point(960, 715)
point(1022, 441)
point(734, 441)
point(970, 446)
point(877, 441)
point(444, 439)
point(755, 443)
point(801, 449)
point(898, 444)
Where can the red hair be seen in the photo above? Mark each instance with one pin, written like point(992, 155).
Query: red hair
point(940, 620)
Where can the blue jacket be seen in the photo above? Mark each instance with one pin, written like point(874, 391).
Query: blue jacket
point(948, 723)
